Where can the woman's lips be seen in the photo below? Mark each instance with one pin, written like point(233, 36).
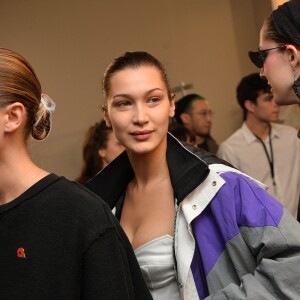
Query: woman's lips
point(142, 135)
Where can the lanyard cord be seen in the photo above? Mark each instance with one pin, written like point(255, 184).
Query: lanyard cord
point(269, 157)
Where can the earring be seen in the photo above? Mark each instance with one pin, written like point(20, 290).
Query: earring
point(296, 86)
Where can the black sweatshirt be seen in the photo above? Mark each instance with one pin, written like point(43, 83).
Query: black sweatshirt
point(60, 241)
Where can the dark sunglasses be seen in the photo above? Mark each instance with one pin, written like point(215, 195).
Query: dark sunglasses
point(259, 57)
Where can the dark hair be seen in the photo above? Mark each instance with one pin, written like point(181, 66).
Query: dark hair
point(249, 88)
point(271, 32)
point(95, 139)
point(182, 133)
point(133, 60)
point(283, 26)
point(19, 83)
point(184, 104)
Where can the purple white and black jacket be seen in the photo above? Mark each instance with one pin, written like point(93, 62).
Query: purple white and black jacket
point(232, 239)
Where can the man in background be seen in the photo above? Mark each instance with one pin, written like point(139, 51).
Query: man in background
point(194, 112)
point(267, 151)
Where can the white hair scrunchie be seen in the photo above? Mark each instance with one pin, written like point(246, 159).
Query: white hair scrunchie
point(48, 105)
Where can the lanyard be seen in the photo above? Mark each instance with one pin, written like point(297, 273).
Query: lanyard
point(270, 156)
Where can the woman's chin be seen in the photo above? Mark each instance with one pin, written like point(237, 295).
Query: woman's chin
point(286, 100)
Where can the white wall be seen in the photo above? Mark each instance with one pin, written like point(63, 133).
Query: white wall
point(70, 43)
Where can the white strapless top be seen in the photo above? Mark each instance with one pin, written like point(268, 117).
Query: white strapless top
point(157, 264)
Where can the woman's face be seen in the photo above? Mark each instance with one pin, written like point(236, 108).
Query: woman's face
point(277, 69)
point(138, 108)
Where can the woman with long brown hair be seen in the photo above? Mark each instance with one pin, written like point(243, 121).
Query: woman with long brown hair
point(99, 149)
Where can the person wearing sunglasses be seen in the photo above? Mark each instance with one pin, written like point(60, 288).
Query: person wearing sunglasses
point(278, 56)
point(265, 142)
point(279, 53)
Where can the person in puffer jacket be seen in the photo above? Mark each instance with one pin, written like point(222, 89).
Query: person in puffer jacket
point(200, 228)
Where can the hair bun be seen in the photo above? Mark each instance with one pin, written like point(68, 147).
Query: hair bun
point(42, 125)
point(48, 103)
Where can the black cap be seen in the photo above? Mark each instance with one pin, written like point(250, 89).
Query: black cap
point(287, 21)
point(182, 104)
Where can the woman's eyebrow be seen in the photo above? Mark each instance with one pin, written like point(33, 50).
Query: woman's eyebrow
point(152, 90)
point(130, 97)
point(122, 95)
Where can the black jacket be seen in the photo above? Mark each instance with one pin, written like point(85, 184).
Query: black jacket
point(183, 162)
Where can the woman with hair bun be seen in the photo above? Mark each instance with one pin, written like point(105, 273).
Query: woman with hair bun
point(278, 55)
point(58, 240)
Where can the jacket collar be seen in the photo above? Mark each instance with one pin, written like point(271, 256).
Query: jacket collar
point(187, 171)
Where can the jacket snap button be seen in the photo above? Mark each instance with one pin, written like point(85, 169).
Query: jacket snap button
point(194, 207)
point(214, 183)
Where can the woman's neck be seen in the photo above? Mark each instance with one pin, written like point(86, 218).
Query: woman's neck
point(150, 167)
point(18, 173)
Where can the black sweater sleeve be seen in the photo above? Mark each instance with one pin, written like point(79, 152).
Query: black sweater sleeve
point(110, 269)
point(105, 270)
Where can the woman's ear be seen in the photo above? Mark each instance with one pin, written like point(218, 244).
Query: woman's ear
point(294, 55)
point(14, 114)
point(105, 116)
point(172, 106)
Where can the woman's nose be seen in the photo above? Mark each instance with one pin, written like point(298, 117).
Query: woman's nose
point(140, 114)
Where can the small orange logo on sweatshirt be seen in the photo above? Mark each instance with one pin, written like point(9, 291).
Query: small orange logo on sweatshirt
point(21, 253)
